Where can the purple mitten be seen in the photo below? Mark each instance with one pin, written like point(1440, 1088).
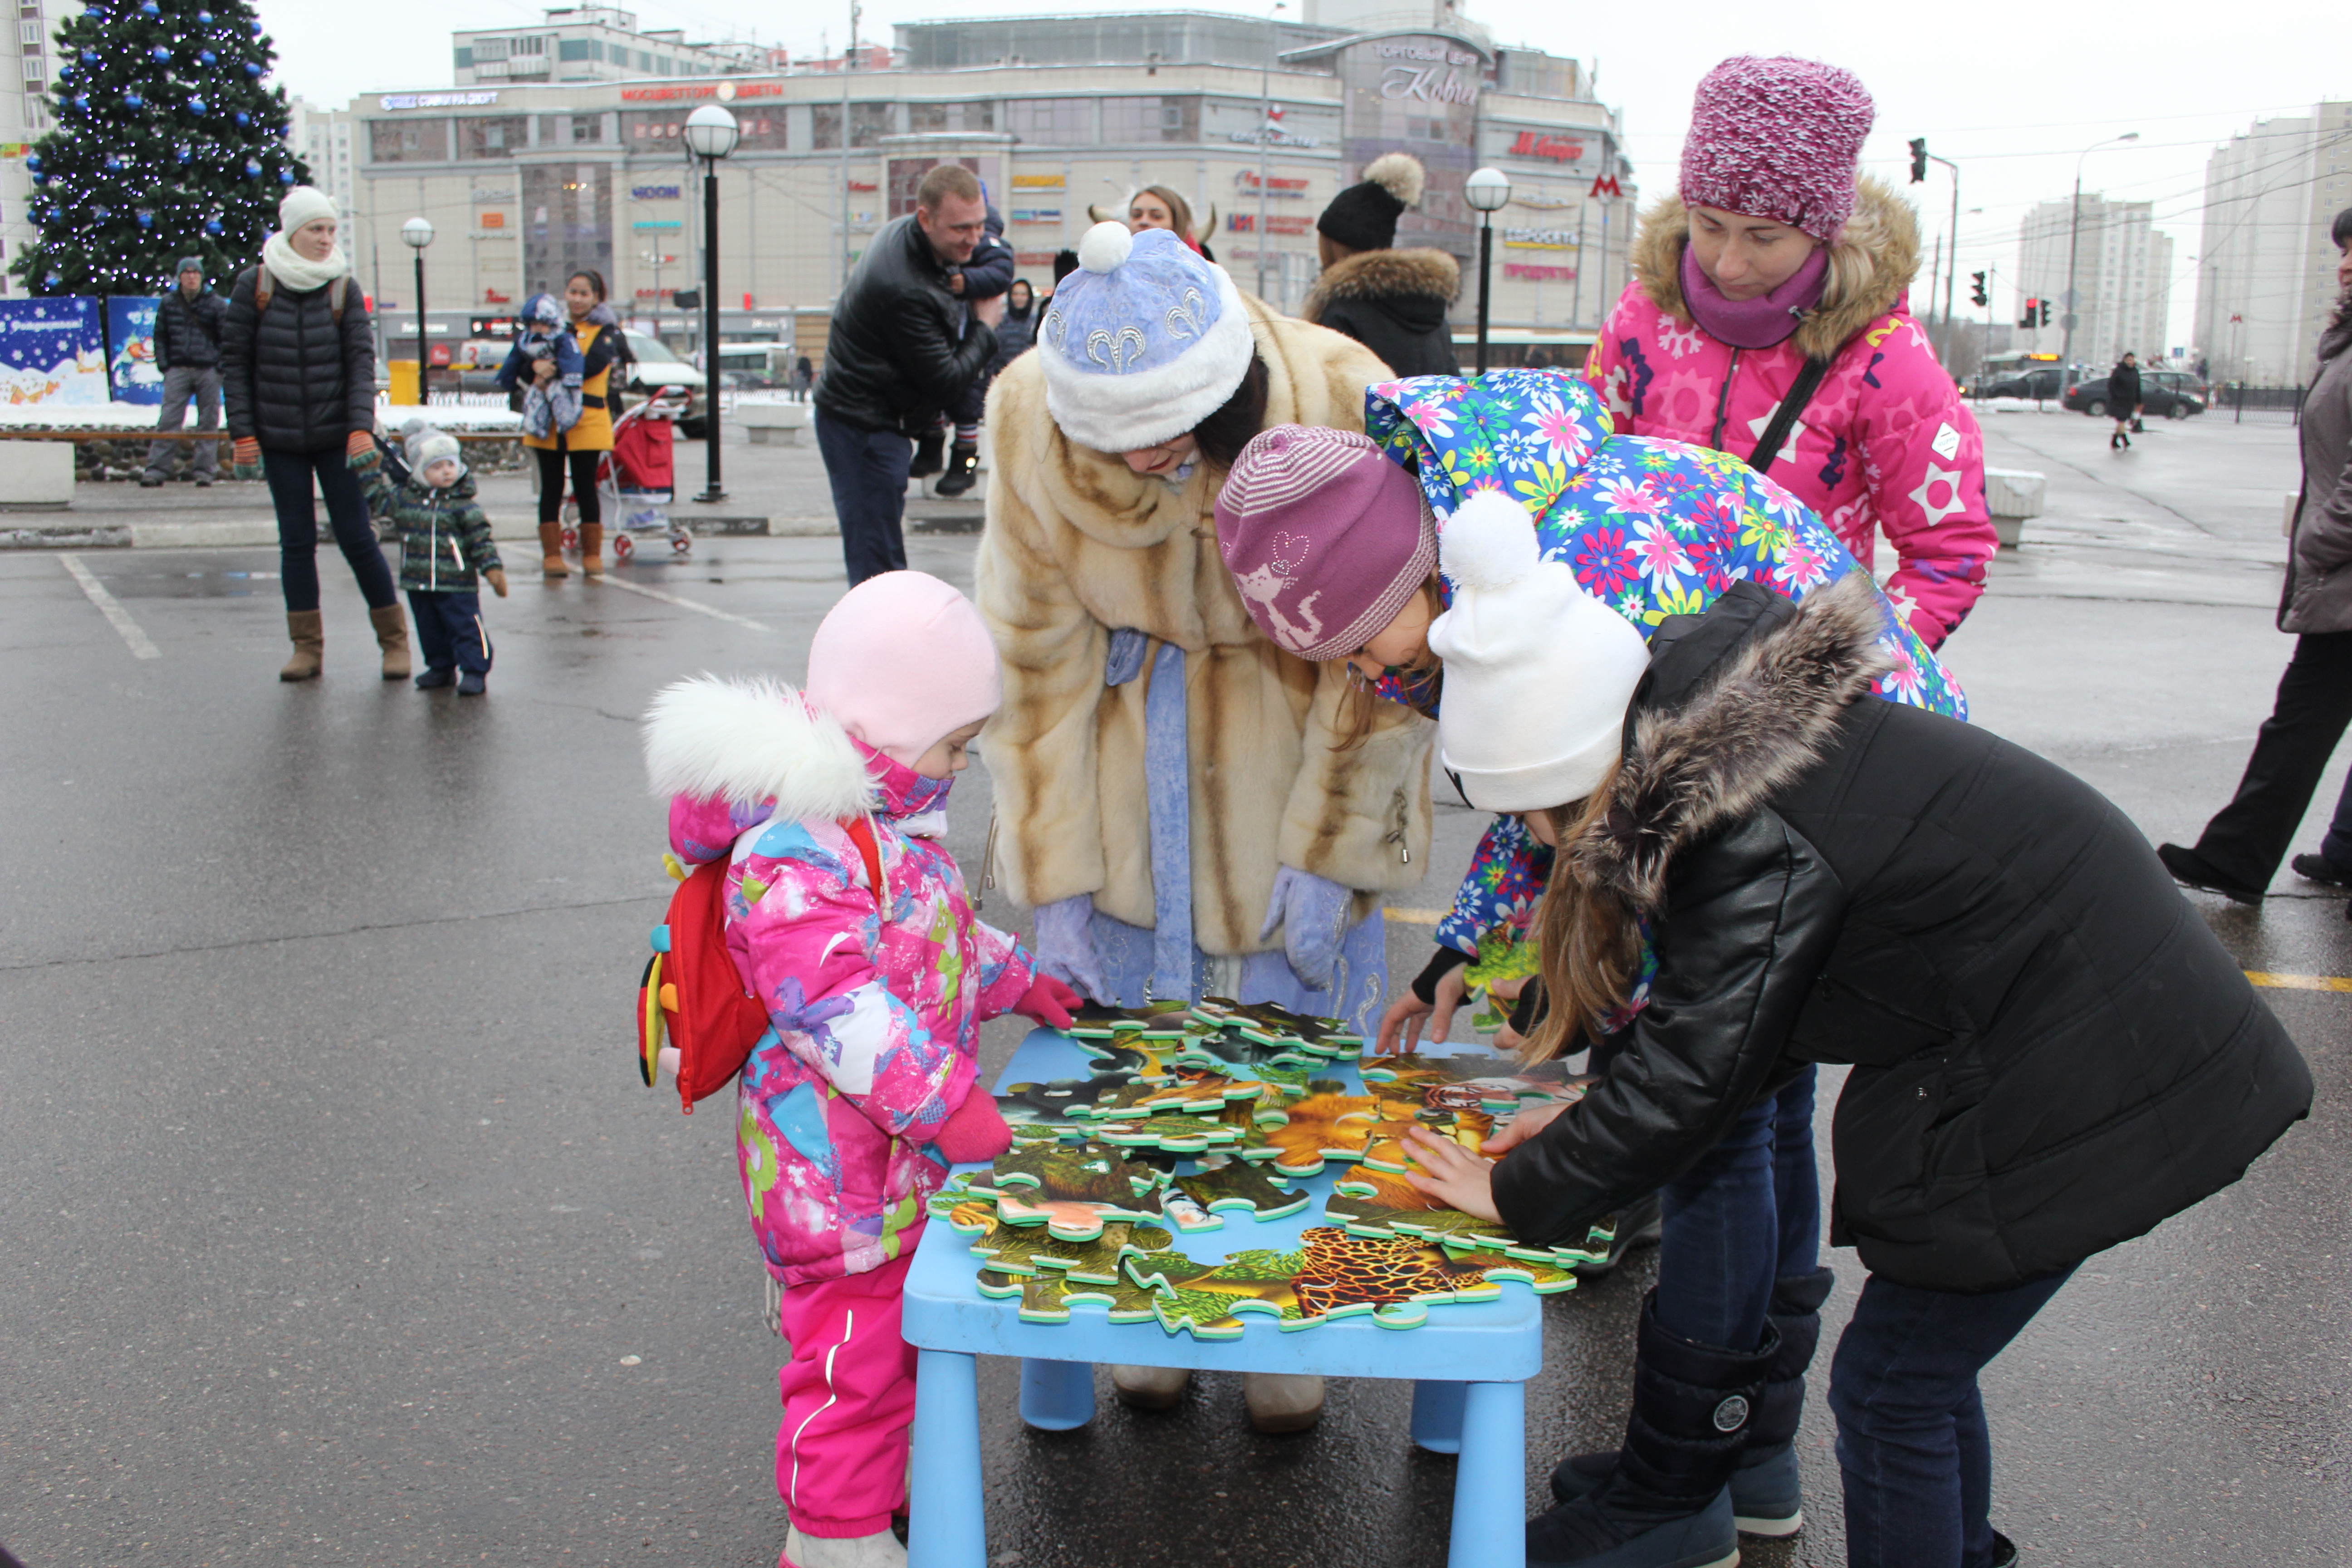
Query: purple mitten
point(1313, 913)
point(1065, 945)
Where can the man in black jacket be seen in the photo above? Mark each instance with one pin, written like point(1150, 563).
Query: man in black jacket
point(903, 345)
point(2123, 401)
point(188, 351)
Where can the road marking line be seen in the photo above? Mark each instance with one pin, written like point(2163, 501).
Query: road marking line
point(684, 603)
point(112, 608)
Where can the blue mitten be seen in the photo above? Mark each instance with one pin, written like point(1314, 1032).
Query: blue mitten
point(1313, 913)
point(1066, 946)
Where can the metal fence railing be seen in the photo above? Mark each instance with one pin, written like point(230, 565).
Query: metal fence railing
point(2237, 399)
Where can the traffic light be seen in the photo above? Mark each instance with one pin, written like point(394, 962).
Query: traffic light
point(1918, 159)
point(2027, 320)
point(2045, 312)
point(1979, 297)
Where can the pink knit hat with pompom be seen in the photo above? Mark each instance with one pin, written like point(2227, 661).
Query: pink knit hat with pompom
point(1778, 139)
point(904, 661)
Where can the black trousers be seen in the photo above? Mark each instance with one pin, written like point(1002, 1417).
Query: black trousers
point(2248, 837)
point(867, 469)
point(551, 462)
point(290, 475)
point(449, 630)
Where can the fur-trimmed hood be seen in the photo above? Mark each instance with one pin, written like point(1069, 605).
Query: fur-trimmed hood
point(751, 741)
point(1386, 274)
point(1738, 705)
point(1872, 264)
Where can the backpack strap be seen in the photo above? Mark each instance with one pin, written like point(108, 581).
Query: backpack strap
point(337, 291)
point(264, 286)
point(1784, 418)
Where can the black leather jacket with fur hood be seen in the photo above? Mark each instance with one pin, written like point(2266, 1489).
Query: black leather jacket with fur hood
point(1395, 303)
point(2052, 1052)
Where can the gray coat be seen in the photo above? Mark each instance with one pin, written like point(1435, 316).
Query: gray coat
point(2318, 593)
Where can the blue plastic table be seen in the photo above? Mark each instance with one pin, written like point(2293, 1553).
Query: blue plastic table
point(1470, 1362)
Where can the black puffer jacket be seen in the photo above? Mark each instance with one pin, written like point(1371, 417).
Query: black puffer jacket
point(900, 350)
point(2123, 388)
point(2051, 1054)
point(188, 331)
point(1395, 303)
point(293, 377)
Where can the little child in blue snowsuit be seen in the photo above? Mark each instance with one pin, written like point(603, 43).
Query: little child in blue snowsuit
point(551, 406)
point(445, 539)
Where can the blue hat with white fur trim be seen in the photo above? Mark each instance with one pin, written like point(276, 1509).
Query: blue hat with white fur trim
point(1143, 343)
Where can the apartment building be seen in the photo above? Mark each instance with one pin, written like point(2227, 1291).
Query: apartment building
point(2123, 278)
point(25, 115)
point(2266, 267)
point(591, 43)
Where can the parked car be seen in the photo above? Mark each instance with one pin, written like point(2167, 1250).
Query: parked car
point(2041, 381)
point(2171, 393)
point(652, 367)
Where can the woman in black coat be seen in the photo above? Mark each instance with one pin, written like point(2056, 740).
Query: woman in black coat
point(2052, 1052)
point(298, 369)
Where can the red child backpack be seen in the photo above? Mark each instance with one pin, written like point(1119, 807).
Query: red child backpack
point(692, 991)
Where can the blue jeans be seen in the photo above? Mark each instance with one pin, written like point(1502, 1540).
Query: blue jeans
point(449, 630)
point(289, 475)
point(1749, 1213)
point(868, 470)
point(1911, 1424)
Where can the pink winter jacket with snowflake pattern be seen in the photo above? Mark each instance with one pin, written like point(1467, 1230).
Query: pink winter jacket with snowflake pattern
point(1885, 445)
point(874, 996)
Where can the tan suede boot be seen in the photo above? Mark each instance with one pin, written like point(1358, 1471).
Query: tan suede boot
point(308, 631)
point(392, 635)
point(551, 550)
point(591, 548)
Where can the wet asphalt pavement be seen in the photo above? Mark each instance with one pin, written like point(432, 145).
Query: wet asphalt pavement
point(335, 1226)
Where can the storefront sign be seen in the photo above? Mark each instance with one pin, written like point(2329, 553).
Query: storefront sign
point(1531, 273)
point(725, 91)
point(1275, 223)
point(654, 193)
point(1277, 187)
point(657, 223)
point(1428, 71)
point(489, 193)
point(493, 220)
point(435, 99)
point(1274, 137)
point(1539, 238)
point(1038, 181)
point(1533, 144)
point(1036, 215)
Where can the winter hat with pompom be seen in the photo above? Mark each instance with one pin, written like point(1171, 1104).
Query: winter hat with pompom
point(1324, 537)
point(1779, 139)
point(903, 661)
point(1538, 671)
point(425, 446)
point(1364, 215)
point(1143, 343)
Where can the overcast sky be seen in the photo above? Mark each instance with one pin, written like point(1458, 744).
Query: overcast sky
point(2011, 90)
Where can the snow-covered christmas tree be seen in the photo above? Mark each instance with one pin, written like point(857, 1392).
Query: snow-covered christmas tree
point(167, 144)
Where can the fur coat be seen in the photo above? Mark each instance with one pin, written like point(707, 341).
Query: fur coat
point(1885, 445)
point(1394, 302)
point(1077, 546)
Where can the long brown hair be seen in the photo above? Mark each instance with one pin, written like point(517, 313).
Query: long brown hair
point(1178, 208)
point(1589, 940)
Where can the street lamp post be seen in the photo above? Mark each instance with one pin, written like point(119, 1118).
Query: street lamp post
point(711, 134)
point(419, 233)
point(2074, 242)
point(1485, 190)
point(1265, 132)
point(1952, 261)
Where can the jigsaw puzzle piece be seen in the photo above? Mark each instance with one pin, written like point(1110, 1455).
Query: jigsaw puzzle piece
point(1190, 1090)
point(1172, 1133)
point(1228, 1181)
point(1048, 1110)
point(1495, 1085)
point(1320, 1127)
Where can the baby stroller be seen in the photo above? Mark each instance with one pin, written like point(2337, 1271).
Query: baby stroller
point(635, 480)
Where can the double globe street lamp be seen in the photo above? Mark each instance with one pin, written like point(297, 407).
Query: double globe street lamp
point(419, 233)
point(1485, 190)
point(711, 134)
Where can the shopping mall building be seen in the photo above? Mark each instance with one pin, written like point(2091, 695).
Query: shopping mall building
point(1059, 115)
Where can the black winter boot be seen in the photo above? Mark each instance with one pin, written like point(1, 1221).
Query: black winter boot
point(963, 469)
point(1665, 1504)
point(928, 447)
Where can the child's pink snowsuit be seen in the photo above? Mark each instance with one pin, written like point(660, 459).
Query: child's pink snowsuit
point(875, 1042)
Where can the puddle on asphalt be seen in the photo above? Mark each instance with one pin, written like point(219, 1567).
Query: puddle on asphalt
point(190, 585)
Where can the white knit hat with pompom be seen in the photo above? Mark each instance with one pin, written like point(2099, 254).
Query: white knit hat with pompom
point(1538, 671)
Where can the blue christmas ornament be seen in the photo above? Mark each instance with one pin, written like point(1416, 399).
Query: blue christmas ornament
point(89, 57)
point(146, 220)
point(196, 105)
point(33, 164)
point(132, 100)
point(101, 213)
point(254, 27)
point(252, 169)
point(52, 281)
point(204, 18)
point(150, 10)
point(212, 225)
point(253, 70)
point(160, 52)
point(243, 119)
point(285, 177)
point(81, 101)
point(207, 57)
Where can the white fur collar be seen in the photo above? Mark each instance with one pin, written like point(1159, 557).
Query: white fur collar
point(747, 741)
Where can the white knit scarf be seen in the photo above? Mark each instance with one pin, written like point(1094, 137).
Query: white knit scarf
point(299, 272)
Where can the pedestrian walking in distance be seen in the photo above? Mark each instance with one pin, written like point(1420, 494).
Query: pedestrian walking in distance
point(2240, 849)
point(1826, 879)
point(904, 348)
point(445, 540)
point(1395, 302)
point(188, 352)
point(1769, 295)
point(822, 809)
point(2123, 400)
point(298, 363)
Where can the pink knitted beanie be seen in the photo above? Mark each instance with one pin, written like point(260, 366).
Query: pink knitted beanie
point(1324, 537)
point(1779, 139)
point(903, 660)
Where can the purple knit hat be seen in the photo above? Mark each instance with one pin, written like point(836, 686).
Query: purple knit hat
point(1325, 538)
point(1778, 139)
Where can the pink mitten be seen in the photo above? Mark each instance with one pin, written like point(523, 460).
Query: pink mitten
point(974, 1131)
point(1049, 1002)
